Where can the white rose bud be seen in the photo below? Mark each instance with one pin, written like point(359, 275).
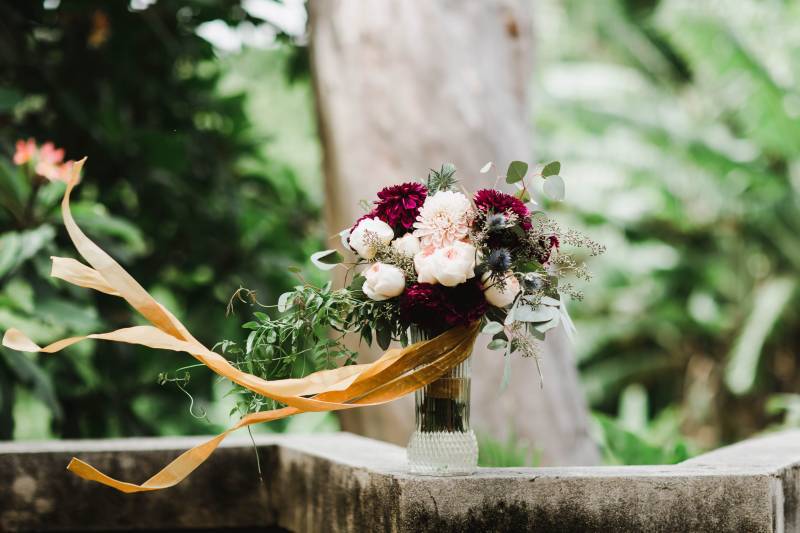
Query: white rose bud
point(382, 231)
point(454, 264)
point(407, 245)
point(383, 282)
point(424, 265)
point(500, 297)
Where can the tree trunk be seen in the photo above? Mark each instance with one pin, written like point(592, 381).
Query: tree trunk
point(402, 87)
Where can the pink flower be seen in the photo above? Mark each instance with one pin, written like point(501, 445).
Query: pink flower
point(26, 150)
point(49, 163)
point(48, 160)
point(443, 219)
point(48, 153)
point(61, 172)
point(450, 265)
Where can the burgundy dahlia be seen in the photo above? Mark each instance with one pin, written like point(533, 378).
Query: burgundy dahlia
point(421, 304)
point(399, 205)
point(436, 308)
point(492, 201)
point(464, 304)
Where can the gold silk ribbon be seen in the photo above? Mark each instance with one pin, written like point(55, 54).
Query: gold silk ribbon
point(395, 374)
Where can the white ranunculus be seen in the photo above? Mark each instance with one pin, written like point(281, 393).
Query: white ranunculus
point(358, 237)
point(383, 281)
point(500, 297)
point(407, 245)
point(423, 264)
point(454, 264)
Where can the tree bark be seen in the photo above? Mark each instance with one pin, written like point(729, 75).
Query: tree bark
point(402, 87)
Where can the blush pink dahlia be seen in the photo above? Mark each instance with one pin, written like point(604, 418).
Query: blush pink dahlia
point(492, 201)
point(443, 219)
point(399, 205)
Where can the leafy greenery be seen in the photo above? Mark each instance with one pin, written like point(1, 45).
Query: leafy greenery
point(634, 438)
point(297, 341)
point(516, 171)
point(200, 204)
point(681, 117)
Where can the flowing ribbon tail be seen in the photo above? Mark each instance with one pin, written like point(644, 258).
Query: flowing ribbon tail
point(187, 462)
point(111, 271)
point(81, 275)
point(395, 374)
point(181, 466)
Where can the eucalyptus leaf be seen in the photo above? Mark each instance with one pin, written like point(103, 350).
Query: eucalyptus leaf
point(544, 327)
point(492, 328)
point(497, 344)
point(554, 188)
point(516, 171)
point(551, 169)
point(541, 313)
point(326, 259)
point(547, 300)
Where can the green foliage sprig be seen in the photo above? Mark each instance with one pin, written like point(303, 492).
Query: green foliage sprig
point(304, 333)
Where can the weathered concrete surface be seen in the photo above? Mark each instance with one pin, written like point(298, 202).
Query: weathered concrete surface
point(341, 482)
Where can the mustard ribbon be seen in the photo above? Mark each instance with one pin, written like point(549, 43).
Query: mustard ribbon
point(395, 374)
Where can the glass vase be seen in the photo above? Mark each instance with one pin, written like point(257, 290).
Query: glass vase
point(443, 443)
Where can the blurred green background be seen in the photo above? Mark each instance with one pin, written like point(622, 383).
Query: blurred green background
point(679, 120)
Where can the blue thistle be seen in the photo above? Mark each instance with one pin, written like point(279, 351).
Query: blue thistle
point(499, 260)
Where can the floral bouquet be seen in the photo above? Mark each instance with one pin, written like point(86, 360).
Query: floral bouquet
point(431, 266)
point(427, 258)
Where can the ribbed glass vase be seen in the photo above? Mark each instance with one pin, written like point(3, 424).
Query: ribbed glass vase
point(443, 443)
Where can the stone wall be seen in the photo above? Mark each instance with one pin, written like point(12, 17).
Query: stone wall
point(341, 482)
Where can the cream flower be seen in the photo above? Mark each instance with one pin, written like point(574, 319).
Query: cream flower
point(454, 264)
point(449, 266)
point(443, 219)
point(500, 297)
point(423, 264)
point(407, 245)
point(383, 281)
point(364, 246)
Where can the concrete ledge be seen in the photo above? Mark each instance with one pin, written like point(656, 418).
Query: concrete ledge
point(341, 482)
